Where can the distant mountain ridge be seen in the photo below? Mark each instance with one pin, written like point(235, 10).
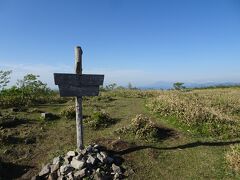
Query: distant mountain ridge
point(169, 85)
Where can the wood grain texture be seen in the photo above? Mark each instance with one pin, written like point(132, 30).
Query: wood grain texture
point(78, 99)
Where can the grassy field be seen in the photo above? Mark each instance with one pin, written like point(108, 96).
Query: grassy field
point(197, 134)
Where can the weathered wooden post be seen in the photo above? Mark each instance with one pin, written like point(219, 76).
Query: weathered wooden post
point(79, 119)
point(78, 85)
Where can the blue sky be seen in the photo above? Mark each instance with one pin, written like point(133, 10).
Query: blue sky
point(137, 41)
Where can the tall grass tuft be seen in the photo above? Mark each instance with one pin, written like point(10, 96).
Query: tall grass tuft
point(233, 158)
point(213, 113)
point(141, 127)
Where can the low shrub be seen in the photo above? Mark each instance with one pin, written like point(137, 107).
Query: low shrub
point(141, 127)
point(99, 119)
point(68, 112)
point(209, 113)
point(28, 92)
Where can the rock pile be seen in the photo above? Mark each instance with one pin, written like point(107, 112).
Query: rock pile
point(93, 162)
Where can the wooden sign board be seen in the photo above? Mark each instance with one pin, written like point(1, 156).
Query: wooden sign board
point(70, 91)
point(78, 85)
point(78, 80)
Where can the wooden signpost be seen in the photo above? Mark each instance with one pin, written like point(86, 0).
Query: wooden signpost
point(78, 85)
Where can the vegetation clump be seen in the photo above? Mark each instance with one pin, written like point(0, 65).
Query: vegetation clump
point(233, 158)
point(27, 91)
point(141, 127)
point(210, 113)
point(99, 119)
point(69, 112)
point(179, 86)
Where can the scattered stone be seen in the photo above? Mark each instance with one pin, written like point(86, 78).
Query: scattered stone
point(104, 154)
point(98, 175)
point(77, 164)
point(45, 170)
point(92, 162)
point(70, 176)
point(67, 159)
point(71, 153)
point(79, 157)
point(57, 160)
point(47, 116)
point(58, 173)
point(96, 146)
point(116, 169)
point(53, 176)
point(100, 157)
point(83, 151)
point(60, 178)
point(116, 176)
point(55, 167)
point(65, 169)
point(80, 174)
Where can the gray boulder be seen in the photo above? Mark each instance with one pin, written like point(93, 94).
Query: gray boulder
point(91, 160)
point(47, 116)
point(77, 164)
point(80, 174)
point(116, 169)
point(45, 171)
point(65, 169)
point(71, 153)
point(100, 157)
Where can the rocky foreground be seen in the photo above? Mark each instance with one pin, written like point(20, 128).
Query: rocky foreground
point(93, 162)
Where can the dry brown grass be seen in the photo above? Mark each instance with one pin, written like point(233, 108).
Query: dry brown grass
point(213, 112)
point(141, 127)
point(233, 158)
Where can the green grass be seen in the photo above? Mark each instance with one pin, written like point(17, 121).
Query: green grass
point(181, 156)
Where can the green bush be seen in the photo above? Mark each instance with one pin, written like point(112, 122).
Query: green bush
point(68, 112)
point(99, 119)
point(28, 91)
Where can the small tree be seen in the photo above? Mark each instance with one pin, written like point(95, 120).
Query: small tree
point(179, 86)
point(4, 78)
point(111, 87)
point(130, 86)
point(32, 89)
